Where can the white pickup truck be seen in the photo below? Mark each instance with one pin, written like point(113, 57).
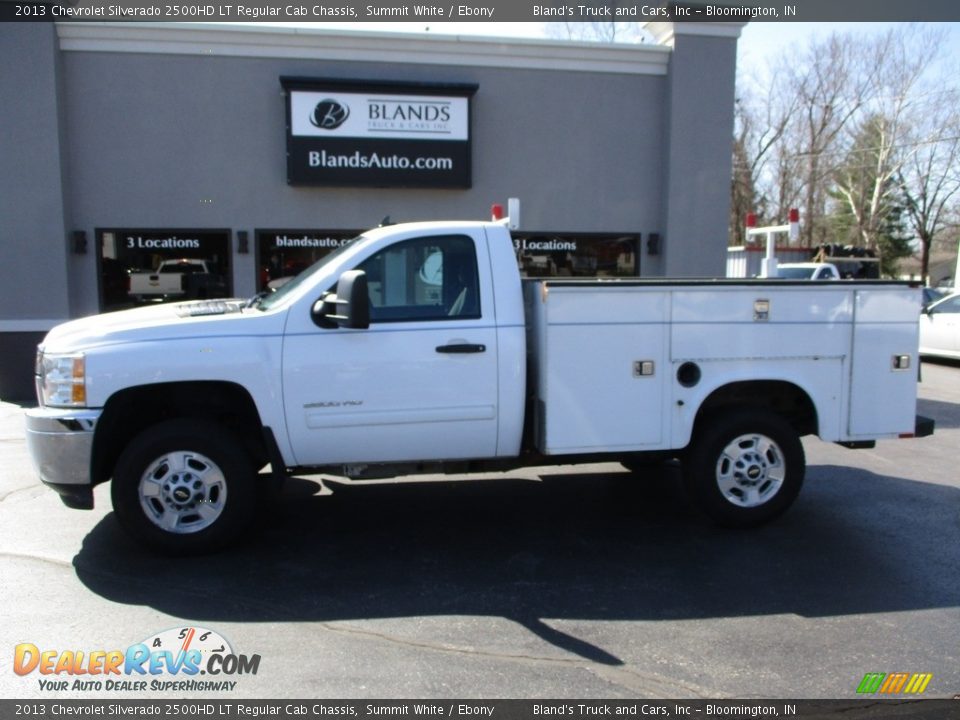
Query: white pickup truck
point(182, 278)
point(418, 348)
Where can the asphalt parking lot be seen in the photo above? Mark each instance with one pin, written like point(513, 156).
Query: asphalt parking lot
point(569, 583)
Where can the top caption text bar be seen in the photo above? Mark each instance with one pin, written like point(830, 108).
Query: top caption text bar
point(480, 11)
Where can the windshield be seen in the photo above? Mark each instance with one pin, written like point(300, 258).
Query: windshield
point(795, 273)
point(268, 301)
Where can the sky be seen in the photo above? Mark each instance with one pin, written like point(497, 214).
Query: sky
point(760, 41)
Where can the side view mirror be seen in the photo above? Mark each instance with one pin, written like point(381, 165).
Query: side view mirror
point(350, 306)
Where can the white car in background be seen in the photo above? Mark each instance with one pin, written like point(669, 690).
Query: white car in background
point(808, 271)
point(940, 328)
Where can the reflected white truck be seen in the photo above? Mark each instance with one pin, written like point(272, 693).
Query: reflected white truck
point(418, 348)
point(181, 278)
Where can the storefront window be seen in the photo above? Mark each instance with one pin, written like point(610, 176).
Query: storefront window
point(282, 254)
point(151, 266)
point(570, 255)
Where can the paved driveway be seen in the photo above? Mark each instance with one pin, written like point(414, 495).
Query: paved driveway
point(573, 582)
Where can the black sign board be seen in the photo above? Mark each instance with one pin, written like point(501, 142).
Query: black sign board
point(378, 134)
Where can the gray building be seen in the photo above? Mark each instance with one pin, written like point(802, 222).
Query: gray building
point(125, 145)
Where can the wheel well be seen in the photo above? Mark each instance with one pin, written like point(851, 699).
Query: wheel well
point(129, 412)
point(784, 398)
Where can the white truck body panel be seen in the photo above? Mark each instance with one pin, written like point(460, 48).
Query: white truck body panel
point(881, 395)
point(836, 343)
point(164, 344)
point(582, 356)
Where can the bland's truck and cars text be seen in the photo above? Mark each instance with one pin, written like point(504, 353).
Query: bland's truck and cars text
point(418, 348)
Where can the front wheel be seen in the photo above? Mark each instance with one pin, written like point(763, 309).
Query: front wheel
point(744, 467)
point(184, 487)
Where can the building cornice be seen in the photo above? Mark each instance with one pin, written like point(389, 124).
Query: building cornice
point(314, 44)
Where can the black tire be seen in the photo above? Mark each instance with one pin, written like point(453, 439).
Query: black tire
point(184, 487)
point(744, 467)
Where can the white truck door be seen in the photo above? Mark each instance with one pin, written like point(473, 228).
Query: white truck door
point(421, 382)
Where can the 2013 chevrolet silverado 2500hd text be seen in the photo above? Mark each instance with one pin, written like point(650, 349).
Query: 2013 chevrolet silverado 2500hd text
point(418, 347)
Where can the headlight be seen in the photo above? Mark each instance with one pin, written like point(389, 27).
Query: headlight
point(61, 380)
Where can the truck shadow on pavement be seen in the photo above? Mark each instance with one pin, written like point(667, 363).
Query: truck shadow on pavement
point(576, 546)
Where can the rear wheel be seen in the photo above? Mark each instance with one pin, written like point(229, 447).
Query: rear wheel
point(744, 467)
point(184, 487)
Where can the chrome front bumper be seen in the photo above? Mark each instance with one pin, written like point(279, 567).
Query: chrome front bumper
point(60, 441)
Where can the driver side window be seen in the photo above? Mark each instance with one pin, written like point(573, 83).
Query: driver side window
point(431, 278)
